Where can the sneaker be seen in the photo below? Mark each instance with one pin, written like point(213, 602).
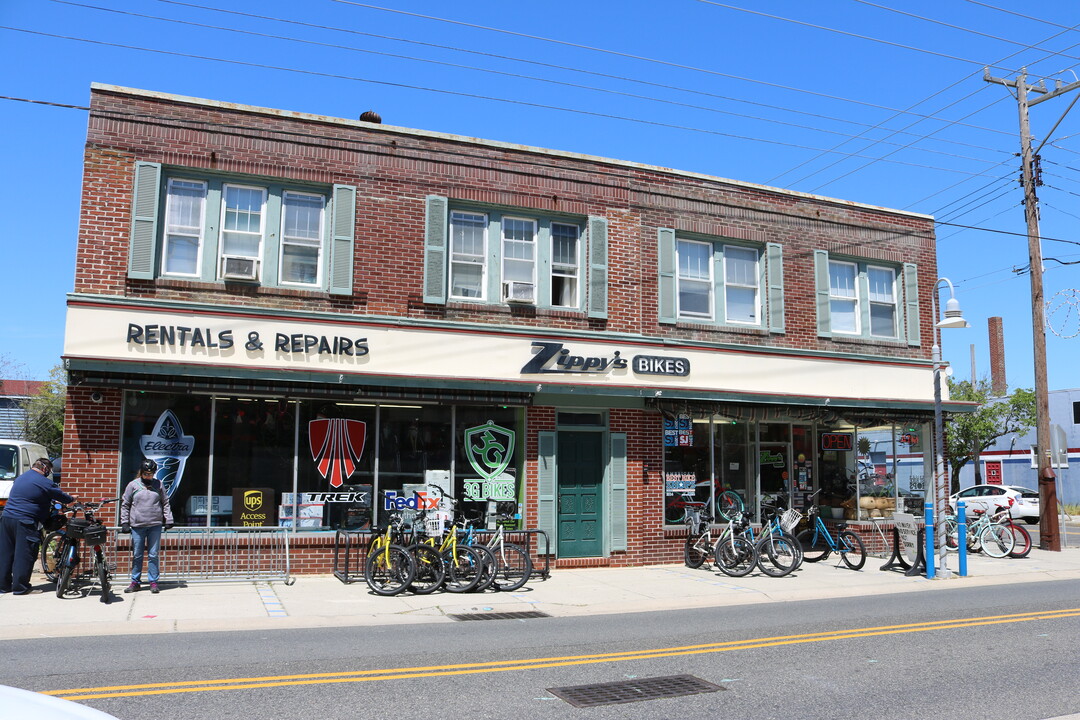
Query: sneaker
point(133, 587)
point(154, 588)
point(31, 591)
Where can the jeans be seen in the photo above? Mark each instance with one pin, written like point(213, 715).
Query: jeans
point(145, 539)
point(19, 542)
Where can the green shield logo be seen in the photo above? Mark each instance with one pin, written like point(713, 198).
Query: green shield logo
point(489, 449)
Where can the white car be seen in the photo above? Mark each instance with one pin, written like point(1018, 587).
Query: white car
point(1024, 506)
point(26, 704)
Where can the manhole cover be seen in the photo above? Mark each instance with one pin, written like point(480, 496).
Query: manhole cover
point(628, 691)
point(524, 615)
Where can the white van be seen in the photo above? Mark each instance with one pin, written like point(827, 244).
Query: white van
point(16, 457)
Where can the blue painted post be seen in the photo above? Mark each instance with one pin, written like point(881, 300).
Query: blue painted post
point(929, 517)
point(961, 535)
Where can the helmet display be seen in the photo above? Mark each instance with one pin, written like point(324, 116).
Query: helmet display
point(148, 465)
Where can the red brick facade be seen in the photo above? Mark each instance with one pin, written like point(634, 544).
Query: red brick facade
point(394, 170)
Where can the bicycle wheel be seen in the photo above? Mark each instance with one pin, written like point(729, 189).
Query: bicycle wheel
point(777, 555)
point(430, 572)
point(51, 549)
point(1021, 541)
point(952, 532)
point(813, 544)
point(675, 514)
point(997, 541)
point(515, 567)
point(64, 580)
point(852, 550)
point(728, 502)
point(735, 556)
point(389, 571)
point(104, 579)
point(464, 568)
point(489, 570)
point(693, 553)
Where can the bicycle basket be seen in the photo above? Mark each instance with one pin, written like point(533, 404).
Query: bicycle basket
point(82, 529)
point(54, 523)
point(790, 519)
point(693, 520)
point(435, 525)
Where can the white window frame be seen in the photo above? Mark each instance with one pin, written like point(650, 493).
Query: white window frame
point(302, 242)
point(844, 298)
point(559, 269)
point(709, 281)
point(504, 241)
point(481, 258)
point(756, 286)
point(894, 304)
point(258, 257)
point(169, 233)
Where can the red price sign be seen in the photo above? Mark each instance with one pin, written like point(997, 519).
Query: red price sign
point(837, 441)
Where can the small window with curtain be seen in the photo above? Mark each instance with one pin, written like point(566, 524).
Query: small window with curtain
point(844, 297)
point(185, 208)
point(301, 238)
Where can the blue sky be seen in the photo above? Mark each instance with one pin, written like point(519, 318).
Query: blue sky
point(874, 103)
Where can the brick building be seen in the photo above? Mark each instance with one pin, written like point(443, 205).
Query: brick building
point(309, 305)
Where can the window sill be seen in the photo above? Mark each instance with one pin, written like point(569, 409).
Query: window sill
point(863, 340)
point(755, 330)
point(515, 309)
point(236, 287)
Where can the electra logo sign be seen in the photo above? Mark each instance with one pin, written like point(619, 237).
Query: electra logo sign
point(419, 501)
point(170, 447)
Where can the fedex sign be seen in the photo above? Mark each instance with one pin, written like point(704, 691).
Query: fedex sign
point(419, 501)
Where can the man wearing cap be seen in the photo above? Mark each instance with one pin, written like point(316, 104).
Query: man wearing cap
point(28, 505)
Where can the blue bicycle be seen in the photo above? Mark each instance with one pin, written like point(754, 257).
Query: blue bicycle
point(818, 543)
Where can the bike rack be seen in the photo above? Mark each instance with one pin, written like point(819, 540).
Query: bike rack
point(349, 545)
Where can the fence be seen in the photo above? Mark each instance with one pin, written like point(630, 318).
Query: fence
point(219, 554)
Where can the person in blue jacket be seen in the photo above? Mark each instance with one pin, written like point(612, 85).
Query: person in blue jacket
point(29, 504)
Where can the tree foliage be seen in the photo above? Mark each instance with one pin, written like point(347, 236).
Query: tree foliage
point(45, 412)
point(995, 418)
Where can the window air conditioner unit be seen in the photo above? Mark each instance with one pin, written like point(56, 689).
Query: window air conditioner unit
point(239, 268)
point(519, 292)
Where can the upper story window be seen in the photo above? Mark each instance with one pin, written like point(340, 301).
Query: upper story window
point(711, 281)
point(219, 229)
point(861, 299)
point(499, 257)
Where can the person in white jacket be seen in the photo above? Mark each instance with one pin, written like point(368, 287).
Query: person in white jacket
point(144, 512)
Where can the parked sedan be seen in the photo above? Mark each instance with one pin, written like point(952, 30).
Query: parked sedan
point(1025, 502)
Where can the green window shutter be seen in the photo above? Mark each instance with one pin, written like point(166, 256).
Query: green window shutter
point(774, 268)
point(435, 249)
point(142, 248)
point(821, 290)
point(598, 267)
point(618, 492)
point(545, 486)
point(911, 303)
point(665, 250)
point(344, 232)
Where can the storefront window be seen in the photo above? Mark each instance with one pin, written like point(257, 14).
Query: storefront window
point(703, 458)
point(174, 431)
point(489, 458)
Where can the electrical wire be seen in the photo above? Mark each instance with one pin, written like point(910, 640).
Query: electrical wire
point(456, 93)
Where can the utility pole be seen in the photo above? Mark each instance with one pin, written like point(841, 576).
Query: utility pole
point(1049, 535)
point(975, 460)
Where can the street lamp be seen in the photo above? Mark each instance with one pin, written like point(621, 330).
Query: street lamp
point(953, 319)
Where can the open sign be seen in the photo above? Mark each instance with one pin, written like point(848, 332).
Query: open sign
point(837, 441)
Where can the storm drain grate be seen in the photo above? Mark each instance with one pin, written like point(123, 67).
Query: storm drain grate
point(628, 691)
point(525, 615)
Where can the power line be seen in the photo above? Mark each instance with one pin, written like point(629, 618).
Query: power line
point(1013, 12)
point(505, 74)
point(456, 93)
point(664, 62)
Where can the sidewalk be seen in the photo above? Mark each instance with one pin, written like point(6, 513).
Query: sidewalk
point(324, 601)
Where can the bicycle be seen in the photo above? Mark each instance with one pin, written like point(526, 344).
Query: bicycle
point(734, 553)
point(818, 543)
point(52, 534)
point(727, 502)
point(463, 566)
point(389, 568)
point(93, 533)
point(513, 566)
point(1000, 516)
point(983, 534)
point(699, 543)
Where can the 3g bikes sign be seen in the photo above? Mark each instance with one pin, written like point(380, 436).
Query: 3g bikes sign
point(489, 449)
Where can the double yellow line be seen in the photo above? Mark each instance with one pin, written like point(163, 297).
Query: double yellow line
point(194, 686)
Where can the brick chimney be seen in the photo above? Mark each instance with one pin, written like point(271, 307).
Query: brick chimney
point(998, 385)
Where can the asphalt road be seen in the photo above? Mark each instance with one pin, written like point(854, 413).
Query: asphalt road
point(990, 652)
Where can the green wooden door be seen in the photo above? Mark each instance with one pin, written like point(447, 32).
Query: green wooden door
point(580, 467)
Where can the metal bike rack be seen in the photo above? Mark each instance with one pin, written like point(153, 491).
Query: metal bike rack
point(222, 554)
